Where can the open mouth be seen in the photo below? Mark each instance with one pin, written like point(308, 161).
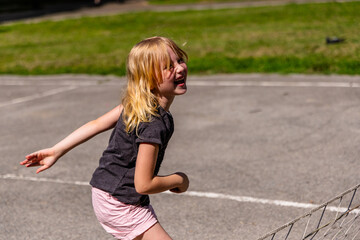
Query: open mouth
point(180, 82)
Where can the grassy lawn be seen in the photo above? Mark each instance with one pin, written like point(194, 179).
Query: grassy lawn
point(283, 39)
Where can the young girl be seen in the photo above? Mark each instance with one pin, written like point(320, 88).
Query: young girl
point(143, 125)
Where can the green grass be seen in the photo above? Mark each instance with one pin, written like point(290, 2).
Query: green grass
point(282, 39)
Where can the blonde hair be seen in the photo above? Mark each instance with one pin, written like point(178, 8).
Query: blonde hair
point(144, 73)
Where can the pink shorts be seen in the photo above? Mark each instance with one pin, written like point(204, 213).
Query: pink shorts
point(121, 220)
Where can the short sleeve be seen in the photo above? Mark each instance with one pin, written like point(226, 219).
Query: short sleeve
point(151, 132)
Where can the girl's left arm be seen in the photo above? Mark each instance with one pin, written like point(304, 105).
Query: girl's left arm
point(146, 182)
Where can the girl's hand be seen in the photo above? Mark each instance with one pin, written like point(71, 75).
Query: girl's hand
point(184, 184)
point(44, 158)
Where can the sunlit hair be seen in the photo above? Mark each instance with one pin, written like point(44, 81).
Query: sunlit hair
point(144, 71)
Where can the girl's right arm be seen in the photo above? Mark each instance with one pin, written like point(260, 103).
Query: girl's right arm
point(47, 157)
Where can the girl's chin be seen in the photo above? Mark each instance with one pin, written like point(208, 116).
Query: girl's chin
point(181, 91)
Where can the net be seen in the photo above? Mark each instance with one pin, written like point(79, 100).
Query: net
point(338, 218)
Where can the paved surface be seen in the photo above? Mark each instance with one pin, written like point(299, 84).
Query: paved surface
point(291, 138)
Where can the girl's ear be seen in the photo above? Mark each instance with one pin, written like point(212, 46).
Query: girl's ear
point(159, 77)
point(154, 84)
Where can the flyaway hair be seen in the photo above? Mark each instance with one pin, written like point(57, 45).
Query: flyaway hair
point(144, 72)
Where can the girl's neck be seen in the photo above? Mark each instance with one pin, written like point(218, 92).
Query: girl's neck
point(165, 103)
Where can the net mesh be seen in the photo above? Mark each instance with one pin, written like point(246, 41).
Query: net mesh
point(338, 218)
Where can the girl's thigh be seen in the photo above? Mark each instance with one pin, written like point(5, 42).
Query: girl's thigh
point(121, 220)
point(156, 232)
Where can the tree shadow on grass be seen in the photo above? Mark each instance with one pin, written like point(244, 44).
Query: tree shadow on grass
point(12, 10)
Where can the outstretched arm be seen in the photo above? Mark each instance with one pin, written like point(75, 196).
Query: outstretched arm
point(146, 182)
point(47, 157)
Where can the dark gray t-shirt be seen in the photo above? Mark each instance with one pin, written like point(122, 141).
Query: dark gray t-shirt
point(116, 170)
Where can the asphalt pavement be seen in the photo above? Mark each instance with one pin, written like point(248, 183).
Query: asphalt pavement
point(290, 138)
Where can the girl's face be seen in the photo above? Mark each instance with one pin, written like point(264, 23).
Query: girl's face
point(174, 77)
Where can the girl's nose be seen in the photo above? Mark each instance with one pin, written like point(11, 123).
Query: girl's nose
point(179, 68)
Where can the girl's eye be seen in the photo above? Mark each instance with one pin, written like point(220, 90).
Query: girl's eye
point(169, 67)
point(180, 60)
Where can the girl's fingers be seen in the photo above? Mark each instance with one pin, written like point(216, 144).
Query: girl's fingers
point(24, 162)
point(29, 161)
point(33, 164)
point(42, 158)
point(30, 158)
point(175, 190)
point(32, 155)
point(42, 169)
